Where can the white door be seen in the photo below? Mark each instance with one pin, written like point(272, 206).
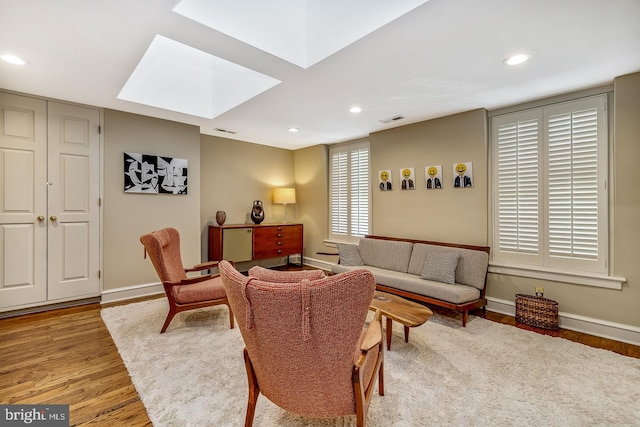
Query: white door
point(49, 202)
point(74, 201)
point(23, 200)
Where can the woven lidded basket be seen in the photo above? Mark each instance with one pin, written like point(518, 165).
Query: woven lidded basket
point(537, 311)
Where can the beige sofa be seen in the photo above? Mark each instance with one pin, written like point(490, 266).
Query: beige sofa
point(443, 274)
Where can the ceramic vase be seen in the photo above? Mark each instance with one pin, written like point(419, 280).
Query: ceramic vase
point(221, 217)
point(257, 212)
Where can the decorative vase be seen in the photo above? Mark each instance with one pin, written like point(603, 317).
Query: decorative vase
point(221, 217)
point(257, 212)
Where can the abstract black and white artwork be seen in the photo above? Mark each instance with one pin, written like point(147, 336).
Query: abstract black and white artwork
point(145, 173)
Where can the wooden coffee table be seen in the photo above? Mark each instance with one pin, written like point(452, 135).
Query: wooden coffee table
point(408, 313)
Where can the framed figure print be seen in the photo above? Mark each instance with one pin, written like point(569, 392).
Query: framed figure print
point(433, 176)
point(385, 183)
point(408, 179)
point(463, 175)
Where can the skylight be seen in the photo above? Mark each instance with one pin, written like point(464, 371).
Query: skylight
point(300, 32)
point(177, 77)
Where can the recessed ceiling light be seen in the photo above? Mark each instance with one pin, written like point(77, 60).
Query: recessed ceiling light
point(516, 59)
point(12, 59)
point(355, 109)
point(293, 129)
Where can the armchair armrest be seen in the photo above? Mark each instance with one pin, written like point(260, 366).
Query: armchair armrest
point(202, 266)
point(373, 336)
point(190, 280)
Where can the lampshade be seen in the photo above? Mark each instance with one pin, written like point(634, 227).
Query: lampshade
point(284, 195)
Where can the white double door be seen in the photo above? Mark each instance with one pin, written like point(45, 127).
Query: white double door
point(49, 202)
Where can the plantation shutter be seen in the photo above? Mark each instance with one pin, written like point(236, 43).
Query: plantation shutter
point(339, 181)
point(573, 199)
point(549, 177)
point(518, 198)
point(359, 192)
point(350, 194)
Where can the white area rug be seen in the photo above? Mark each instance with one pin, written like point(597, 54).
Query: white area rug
point(486, 374)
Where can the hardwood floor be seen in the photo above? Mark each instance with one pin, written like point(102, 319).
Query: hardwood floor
point(66, 356)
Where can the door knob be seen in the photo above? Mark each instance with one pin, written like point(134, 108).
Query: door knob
point(53, 218)
point(40, 218)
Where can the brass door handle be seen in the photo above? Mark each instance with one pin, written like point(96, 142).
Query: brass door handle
point(40, 218)
point(53, 218)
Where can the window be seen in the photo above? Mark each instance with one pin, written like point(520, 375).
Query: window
point(349, 190)
point(550, 171)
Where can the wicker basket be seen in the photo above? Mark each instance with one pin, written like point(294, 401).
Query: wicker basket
point(537, 311)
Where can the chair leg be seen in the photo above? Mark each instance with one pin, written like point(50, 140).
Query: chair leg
point(172, 312)
point(381, 378)
point(231, 319)
point(254, 391)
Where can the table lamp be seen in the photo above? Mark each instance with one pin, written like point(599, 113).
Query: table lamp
point(284, 196)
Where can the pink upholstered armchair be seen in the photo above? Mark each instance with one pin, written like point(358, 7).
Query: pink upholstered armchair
point(184, 293)
point(306, 348)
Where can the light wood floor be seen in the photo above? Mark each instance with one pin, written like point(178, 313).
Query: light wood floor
point(67, 356)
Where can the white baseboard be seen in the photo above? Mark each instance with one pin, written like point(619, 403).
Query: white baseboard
point(317, 263)
point(131, 292)
point(573, 322)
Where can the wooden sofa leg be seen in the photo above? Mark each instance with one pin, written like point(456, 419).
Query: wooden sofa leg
point(465, 317)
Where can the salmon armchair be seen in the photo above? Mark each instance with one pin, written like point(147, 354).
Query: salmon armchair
point(183, 293)
point(306, 346)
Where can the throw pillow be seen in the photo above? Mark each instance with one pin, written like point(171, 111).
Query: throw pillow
point(440, 266)
point(349, 254)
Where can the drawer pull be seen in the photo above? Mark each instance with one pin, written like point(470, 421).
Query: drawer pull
point(279, 251)
point(279, 243)
point(279, 234)
point(279, 228)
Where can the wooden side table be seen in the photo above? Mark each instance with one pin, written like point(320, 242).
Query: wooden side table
point(410, 314)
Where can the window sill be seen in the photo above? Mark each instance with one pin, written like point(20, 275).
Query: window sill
point(597, 280)
point(333, 243)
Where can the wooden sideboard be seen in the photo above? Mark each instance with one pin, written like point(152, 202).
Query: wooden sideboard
point(248, 242)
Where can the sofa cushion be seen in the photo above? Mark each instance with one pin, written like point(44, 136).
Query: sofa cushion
point(440, 266)
point(349, 254)
point(471, 269)
point(456, 293)
point(387, 254)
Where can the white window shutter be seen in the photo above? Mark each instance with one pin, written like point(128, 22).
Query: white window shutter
point(350, 193)
point(359, 192)
point(339, 190)
point(576, 185)
point(549, 174)
point(517, 179)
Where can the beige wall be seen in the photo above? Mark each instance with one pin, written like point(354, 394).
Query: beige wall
point(450, 214)
point(128, 215)
point(311, 175)
point(234, 174)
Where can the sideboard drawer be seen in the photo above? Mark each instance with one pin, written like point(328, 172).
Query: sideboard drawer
point(276, 241)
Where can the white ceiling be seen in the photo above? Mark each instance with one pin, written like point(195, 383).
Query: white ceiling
point(441, 58)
